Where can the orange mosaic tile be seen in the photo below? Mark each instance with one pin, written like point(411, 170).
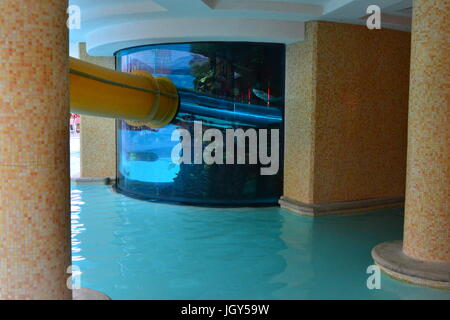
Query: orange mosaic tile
point(301, 61)
point(34, 151)
point(346, 114)
point(98, 135)
point(427, 215)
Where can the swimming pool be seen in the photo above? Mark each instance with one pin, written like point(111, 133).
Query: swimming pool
point(131, 249)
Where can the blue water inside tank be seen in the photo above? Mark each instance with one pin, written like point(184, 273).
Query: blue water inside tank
point(223, 86)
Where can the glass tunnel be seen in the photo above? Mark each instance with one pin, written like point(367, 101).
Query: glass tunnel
point(222, 85)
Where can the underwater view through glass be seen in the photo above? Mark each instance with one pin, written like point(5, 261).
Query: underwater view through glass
point(221, 86)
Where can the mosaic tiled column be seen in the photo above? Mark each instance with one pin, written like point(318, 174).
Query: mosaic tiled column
point(425, 257)
point(98, 135)
point(34, 150)
point(346, 119)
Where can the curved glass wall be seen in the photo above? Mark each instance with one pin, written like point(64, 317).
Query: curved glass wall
point(224, 86)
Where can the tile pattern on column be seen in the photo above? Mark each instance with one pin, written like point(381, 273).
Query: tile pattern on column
point(34, 151)
point(346, 114)
point(98, 135)
point(427, 215)
point(361, 113)
point(299, 116)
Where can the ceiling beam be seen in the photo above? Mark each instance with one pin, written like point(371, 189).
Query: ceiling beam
point(272, 6)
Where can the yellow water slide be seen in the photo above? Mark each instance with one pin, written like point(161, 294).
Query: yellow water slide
point(138, 97)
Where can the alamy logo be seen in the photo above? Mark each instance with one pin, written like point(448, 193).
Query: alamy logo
point(374, 18)
point(374, 280)
point(74, 19)
point(251, 145)
point(74, 281)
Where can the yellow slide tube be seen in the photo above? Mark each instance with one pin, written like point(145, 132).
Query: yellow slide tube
point(136, 96)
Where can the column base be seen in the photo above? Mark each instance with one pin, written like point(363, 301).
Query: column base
point(390, 258)
point(336, 208)
point(88, 294)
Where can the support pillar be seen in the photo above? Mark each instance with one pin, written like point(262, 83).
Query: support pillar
point(34, 150)
point(346, 119)
point(424, 255)
point(98, 136)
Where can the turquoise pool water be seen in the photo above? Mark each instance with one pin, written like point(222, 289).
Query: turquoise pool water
point(132, 249)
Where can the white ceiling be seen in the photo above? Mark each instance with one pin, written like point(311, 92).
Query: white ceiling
point(111, 25)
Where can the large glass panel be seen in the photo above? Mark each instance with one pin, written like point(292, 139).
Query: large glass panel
point(222, 85)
